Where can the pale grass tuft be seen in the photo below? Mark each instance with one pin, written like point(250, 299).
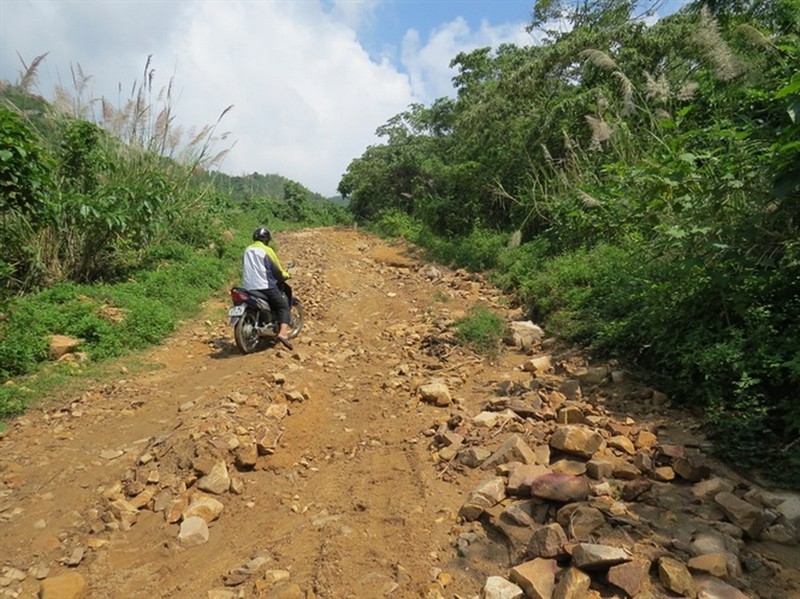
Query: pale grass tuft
point(602, 104)
point(62, 102)
point(627, 92)
point(515, 240)
point(200, 136)
point(161, 130)
point(144, 120)
point(587, 200)
point(107, 110)
point(601, 130)
point(30, 77)
point(709, 37)
point(663, 115)
point(215, 160)
point(657, 89)
point(82, 100)
point(687, 91)
point(569, 143)
point(547, 155)
point(176, 135)
point(599, 58)
point(754, 36)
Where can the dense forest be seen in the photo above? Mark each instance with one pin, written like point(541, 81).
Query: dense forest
point(638, 185)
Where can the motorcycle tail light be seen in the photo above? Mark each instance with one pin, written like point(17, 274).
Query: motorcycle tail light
point(239, 296)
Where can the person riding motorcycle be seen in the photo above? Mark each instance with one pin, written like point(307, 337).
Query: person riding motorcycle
point(262, 272)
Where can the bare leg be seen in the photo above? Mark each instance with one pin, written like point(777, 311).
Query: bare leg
point(283, 335)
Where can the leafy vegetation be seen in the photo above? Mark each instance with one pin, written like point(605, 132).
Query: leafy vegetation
point(96, 240)
point(638, 186)
point(481, 329)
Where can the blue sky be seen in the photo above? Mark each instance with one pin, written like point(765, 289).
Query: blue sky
point(309, 80)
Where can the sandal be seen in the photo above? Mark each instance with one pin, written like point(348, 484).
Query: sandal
point(286, 343)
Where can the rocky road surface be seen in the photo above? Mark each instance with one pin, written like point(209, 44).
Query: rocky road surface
point(377, 459)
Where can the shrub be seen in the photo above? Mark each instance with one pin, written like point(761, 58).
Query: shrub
point(396, 223)
point(482, 330)
point(24, 169)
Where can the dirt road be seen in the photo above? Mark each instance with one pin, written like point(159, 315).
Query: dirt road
point(348, 503)
point(331, 486)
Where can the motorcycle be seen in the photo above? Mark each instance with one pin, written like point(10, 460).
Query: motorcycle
point(253, 321)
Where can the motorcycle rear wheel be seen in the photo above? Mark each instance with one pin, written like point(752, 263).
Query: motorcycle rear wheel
point(245, 332)
point(297, 314)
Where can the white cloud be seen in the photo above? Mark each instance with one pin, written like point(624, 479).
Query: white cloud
point(355, 14)
point(428, 64)
point(307, 99)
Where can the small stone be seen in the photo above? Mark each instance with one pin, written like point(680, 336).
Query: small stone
point(594, 375)
point(488, 493)
point(575, 439)
point(675, 577)
point(520, 477)
point(569, 415)
point(645, 440)
point(634, 489)
point(246, 456)
point(691, 469)
point(436, 393)
point(625, 470)
point(512, 449)
point(537, 577)
point(591, 556)
point(76, 557)
point(632, 577)
point(193, 532)
point(563, 488)
point(472, 457)
point(65, 586)
point(204, 506)
point(583, 521)
point(663, 474)
point(713, 588)
point(573, 584)
point(599, 469)
point(710, 487)
point(61, 345)
point(217, 481)
point(540, 364)
point(566, 466)
point(715, 564)
point(741, 513)
point(497, 587)
point(548, 542)
point(621, 443)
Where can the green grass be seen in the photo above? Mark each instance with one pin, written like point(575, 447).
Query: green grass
point(111, 319)
point(482, 330)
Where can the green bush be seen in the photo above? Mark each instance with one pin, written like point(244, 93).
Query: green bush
point(396, 223)
point(24, 168)
point(111, 319)
point(482, 330)
point(517, 265)
point(715, 337)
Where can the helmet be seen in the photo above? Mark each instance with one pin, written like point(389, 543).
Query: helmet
point(262, 234)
